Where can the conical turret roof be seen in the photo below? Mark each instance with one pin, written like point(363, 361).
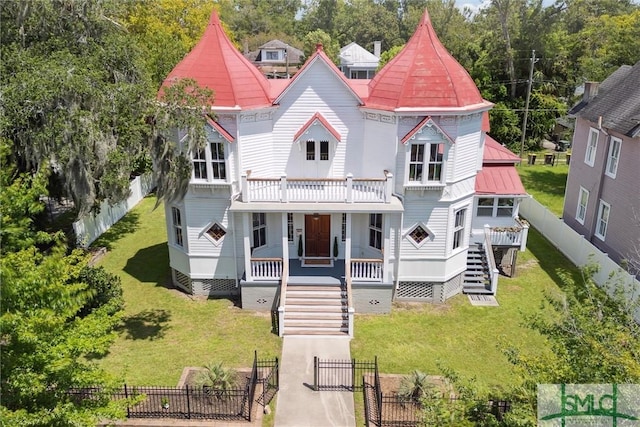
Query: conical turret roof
point(423, 74)
point(216, 63)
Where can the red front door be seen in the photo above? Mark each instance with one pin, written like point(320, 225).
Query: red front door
point(317, 235)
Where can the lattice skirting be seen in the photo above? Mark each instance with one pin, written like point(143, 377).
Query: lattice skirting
point(453, 286)
point(205, 287)
point(418, 291)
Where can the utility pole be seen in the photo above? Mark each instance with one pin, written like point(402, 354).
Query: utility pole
point(526, 105)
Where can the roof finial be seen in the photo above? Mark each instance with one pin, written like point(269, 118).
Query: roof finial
point(319, 47)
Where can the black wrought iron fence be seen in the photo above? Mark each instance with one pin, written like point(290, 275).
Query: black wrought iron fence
point(269, 377)
point(190, 402)
point(341, 374)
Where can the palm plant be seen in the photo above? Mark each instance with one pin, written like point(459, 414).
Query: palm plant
point(216, 379)
point(414, 386)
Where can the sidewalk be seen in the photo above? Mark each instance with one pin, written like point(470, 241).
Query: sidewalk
point(298, 405)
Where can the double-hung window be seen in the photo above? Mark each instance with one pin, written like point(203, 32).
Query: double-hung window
point(603, 219)
point(614, 156)
point(317, 150)
point(375, 230)
point(200, 164)
point(495, 206)
point(581, 210)
point(177, 226)
point(217, 160)
point(592, 145)
point(259, 229)
point(458, 228)
point(209, 163)
point(505, 206)
point(426, 162)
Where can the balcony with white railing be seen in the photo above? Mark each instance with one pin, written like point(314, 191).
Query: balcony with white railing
point(333, 190)
point(514, 236)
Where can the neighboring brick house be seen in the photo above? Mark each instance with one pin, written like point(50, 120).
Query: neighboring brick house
point(602, 199)
point(321, 196)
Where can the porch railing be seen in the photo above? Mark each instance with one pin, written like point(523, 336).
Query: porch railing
point(266, 268)
point(492, 267)
point(366, 270)
point(515, 235)
point(345, 190)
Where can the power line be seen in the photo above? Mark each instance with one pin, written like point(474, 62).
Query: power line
point(526, 105)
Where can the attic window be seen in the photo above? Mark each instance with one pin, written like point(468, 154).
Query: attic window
point(216, 232)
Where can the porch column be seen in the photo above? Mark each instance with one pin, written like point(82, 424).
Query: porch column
point(247, 245)
point(285, 243)
point(386, 244)
point(347, 248)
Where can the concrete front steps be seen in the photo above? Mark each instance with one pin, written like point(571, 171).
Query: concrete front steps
point(315, 309)
point(476, 278)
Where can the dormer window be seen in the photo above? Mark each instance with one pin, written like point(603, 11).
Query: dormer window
point(272, 55)
point(425, 162)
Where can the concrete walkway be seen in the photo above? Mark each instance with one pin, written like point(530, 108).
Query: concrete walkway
point(298, 405)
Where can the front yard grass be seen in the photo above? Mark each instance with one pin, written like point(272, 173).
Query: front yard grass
point(165, 330)
point(468, 339)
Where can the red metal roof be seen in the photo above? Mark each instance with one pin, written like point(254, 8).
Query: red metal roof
point(499, 179)
point(494, 153)
point(216, 63)
point(323, 122)
point(424, 122)
point(423, 74)
point(222, 131)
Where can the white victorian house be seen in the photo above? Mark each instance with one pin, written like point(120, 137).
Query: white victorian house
point(321, 196)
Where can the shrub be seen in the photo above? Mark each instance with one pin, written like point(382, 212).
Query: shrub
point(414, 386)
point(106, 288)
point(216, 379)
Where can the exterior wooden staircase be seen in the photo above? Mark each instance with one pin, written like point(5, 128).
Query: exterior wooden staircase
point(316, 309)
point(477, 278)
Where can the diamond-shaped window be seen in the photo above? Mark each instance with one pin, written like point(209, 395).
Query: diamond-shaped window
point(419, 234)
point(216, 232)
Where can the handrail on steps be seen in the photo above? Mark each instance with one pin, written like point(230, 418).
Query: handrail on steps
point(488, 250)
point(283, 296)
point(351, 311)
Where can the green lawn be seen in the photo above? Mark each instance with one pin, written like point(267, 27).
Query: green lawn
point(165, 330)
point(466, 338)
point(546, 183)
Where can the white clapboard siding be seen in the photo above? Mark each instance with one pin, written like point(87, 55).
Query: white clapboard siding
point(465, 159)
point(379, 150)
point(459, 190)
point(200, 214)
point(435, 215)
point(256, 148)
point(317, 90)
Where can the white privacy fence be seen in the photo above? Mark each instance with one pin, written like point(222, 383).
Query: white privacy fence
point(575, 247)
point(90, 227)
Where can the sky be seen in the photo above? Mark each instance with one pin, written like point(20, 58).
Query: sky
point(474, 5)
